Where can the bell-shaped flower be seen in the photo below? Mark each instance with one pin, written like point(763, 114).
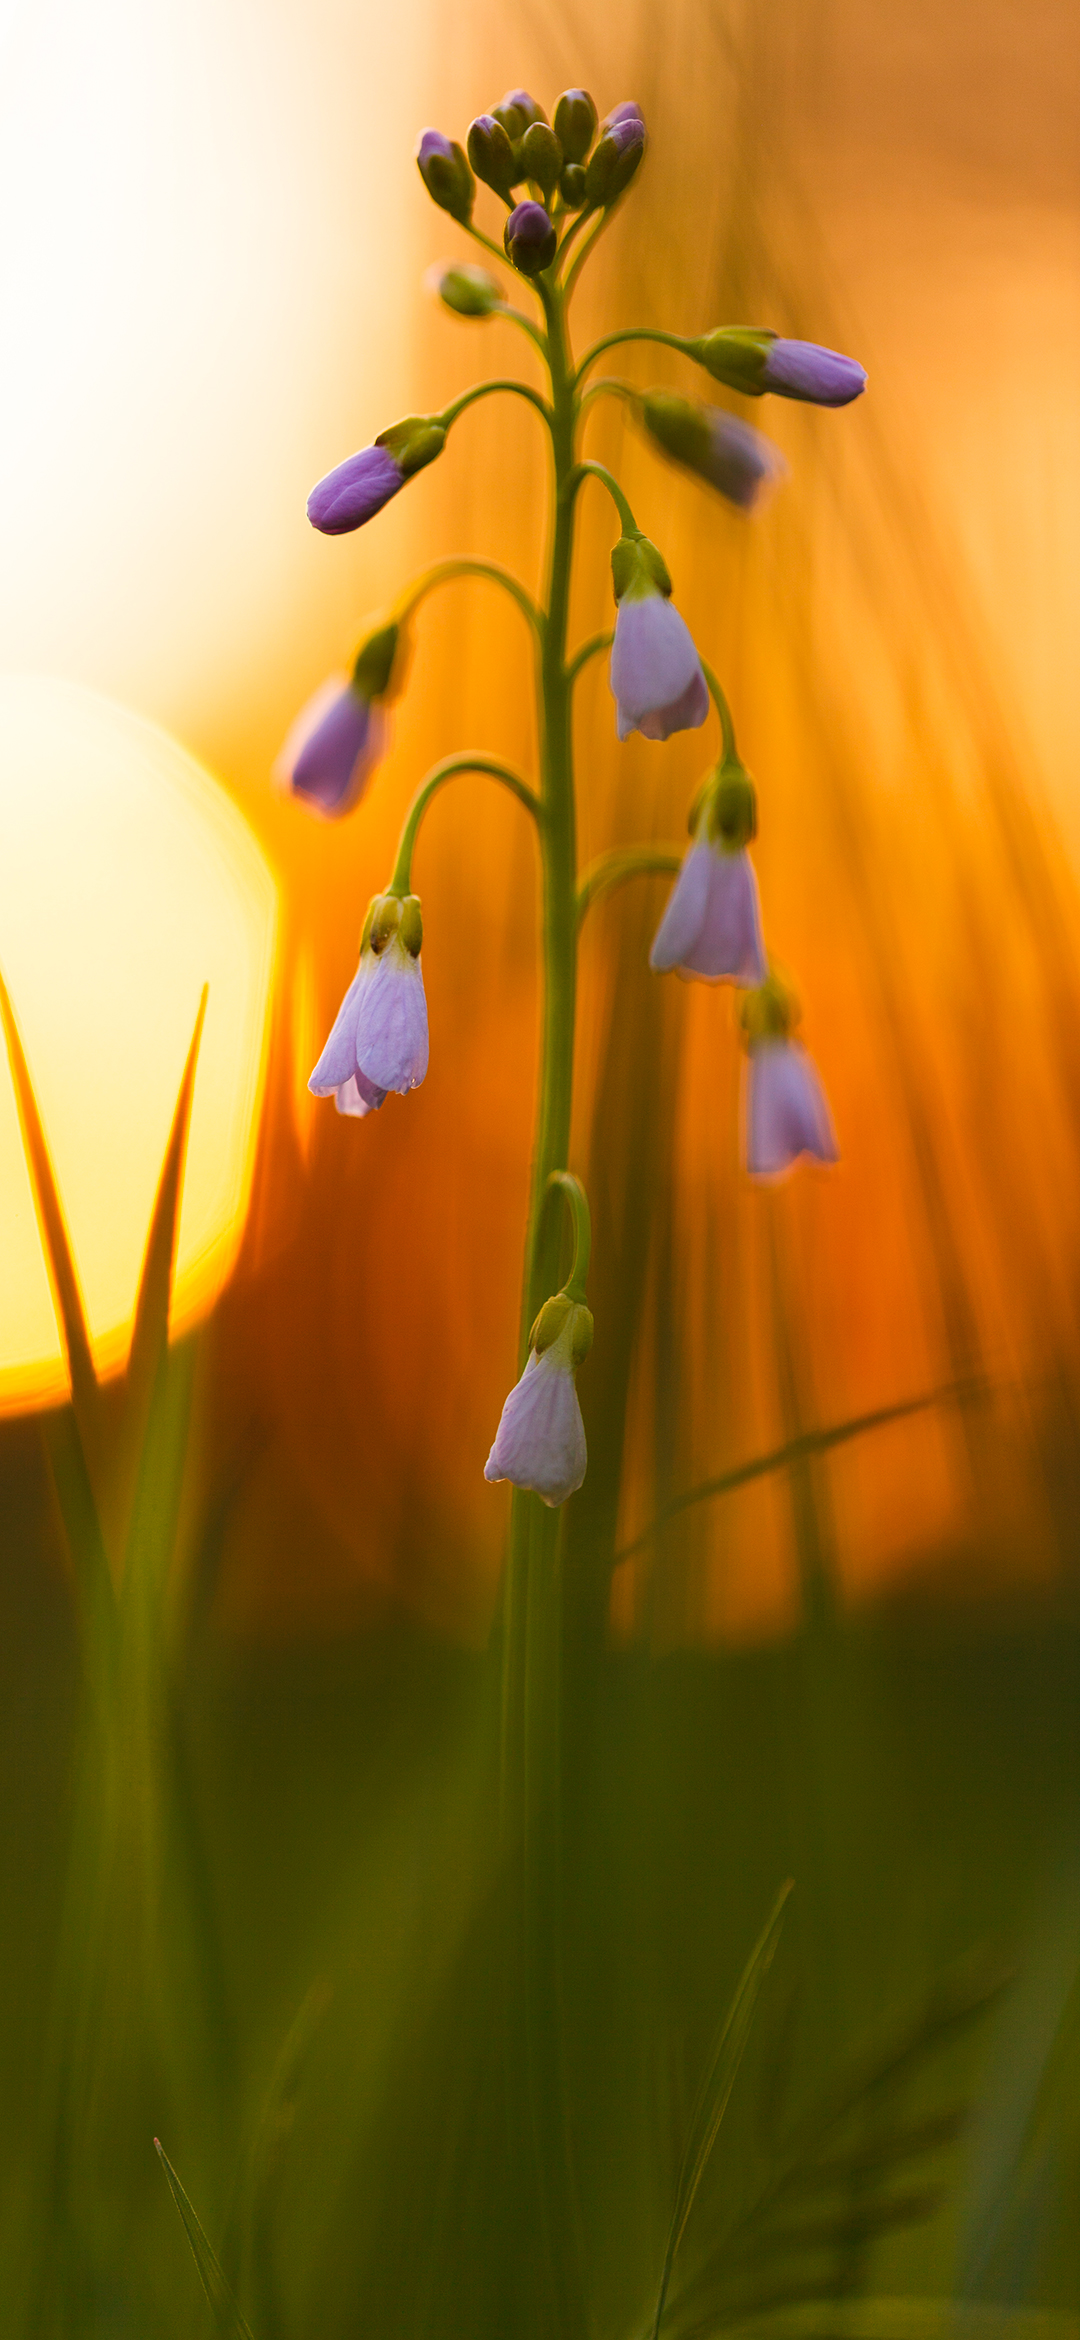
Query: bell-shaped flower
point(785, 1104)
point(711, 927)
point(332, 749)
point(379, 1040)
point(358, 488)
point(731, 455)
point(540, 1441)
point(753, 360)
point(655, 672)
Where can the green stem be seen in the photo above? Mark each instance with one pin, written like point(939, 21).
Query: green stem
point(727, 726)
point(591, 470)
point(518, 317)
point(589, 649)
point(444, 572)
point(630, 333)
point(609, 386)
point(401, 879)
point(589, 246)
point(624, 862)
point(564, 1182)
point(507, 382)
point(575, 230)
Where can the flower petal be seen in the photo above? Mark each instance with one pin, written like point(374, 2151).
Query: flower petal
point(656, 674)
point(358, 1097)
point(787, 1114)
point(391, 1030)
point(729, 945)
point(802, 369)
point(354, 491)
point(684, 915)
point(332, 749)
point(540, 1441)
point(337, 1064)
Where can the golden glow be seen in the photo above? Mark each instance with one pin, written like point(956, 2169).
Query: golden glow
point(127, 880)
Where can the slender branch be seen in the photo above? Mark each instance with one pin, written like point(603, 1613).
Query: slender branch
point(609, 386)
point(486, 390)
point(591, 470)
point(401, 880)
point(625, 862)
point(564, 1182)
point(518, 317)
point(811, 1443)
point(630, 333)
point(590, 649)
point(488, 243)
point(579, 223)
point(727, 726)
point(444, 572)
point(588, 247)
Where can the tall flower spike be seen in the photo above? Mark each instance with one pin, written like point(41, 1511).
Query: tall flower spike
point(540, 1441)
point(655, 671)
point(785, 1105)
point(731, 455)
point(358, 488)
point(711, 927)
point(379, 1040)
point(747, 358)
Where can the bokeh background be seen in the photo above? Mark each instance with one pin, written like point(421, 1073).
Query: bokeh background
point(858, 1661)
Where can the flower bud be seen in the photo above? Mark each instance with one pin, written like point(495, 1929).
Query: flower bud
point(572, 186)
point(355, 490)
point(638, 569)
point(413, 443)
point(466, 290)
point(446, 174)
point(750, 359)
point(734, 458)
point(613, 162)
point(627, 112)
point(492, 155)
point(541, 157)
point(517, 111)
point(574, 122)
point(529, 238)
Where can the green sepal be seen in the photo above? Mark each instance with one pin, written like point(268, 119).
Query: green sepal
point(572, 187)
point(610, 170)
point(735, 355)
point(574, 122)
point(679, 425)
point(730, 809)
point(381, 923)
point(541, 157)
point(374, 666)
point(411, 925)
point(491, 154)
point(638, 569)
point(469, 291)
point(413, 442)
point(558, 1316)
point(769, 1011)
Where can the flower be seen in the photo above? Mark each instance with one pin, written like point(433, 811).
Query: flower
point(655, 670)
point(787, 1114)
point(750, 359)
point(529, 238)
point(712, 924)
point(333, 748)
point(731, 455)
point(358, 488)
point(446, 174)
point(540, 1441)
point(379, 1039)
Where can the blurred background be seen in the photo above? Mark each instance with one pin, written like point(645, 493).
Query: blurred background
point(855, 1658)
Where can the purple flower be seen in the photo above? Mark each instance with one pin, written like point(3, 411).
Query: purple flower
point(656, 673)
point(731, 455)
point(712, 924)
point(540, 1441)
point(446, 174)
point(616, 155)
point(529, 238)
point(800, 369)
point(786, 1112)
point(380, 1036)
point(627, 112)
point(354, 491)
point(333, 749)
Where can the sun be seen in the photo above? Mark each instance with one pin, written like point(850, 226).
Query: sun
point(128, 879)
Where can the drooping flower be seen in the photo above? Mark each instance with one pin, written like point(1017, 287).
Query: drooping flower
point(540, 1441)
point(529, 238)
point(333, 748)
point(711, 927)
point(358, 488)
point(750, 359)
point(785, 1105)
point(379, 1039)
point(731, 455)
point(655, 670)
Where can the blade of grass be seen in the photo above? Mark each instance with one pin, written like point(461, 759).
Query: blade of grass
point(151, 1329)
point(716, 2086)
point(226, 2314)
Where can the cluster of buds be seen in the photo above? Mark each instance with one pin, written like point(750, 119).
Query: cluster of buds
point(571, 164)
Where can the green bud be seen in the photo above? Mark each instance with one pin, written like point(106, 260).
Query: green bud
point(575, 123)
point(613, 162)
point(517, 111)
point(557, 1316)
point(411, 928)
point(446, 175)
point(491, 154)
point(735, 355)
point(375, 659)
point(731, 809)
point(381, 923)
point(678, 425)
point(468, 291)
point(572, 186)
point(638, 569)
point(541, 157)
point(769, 1011)
point(414, 442)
